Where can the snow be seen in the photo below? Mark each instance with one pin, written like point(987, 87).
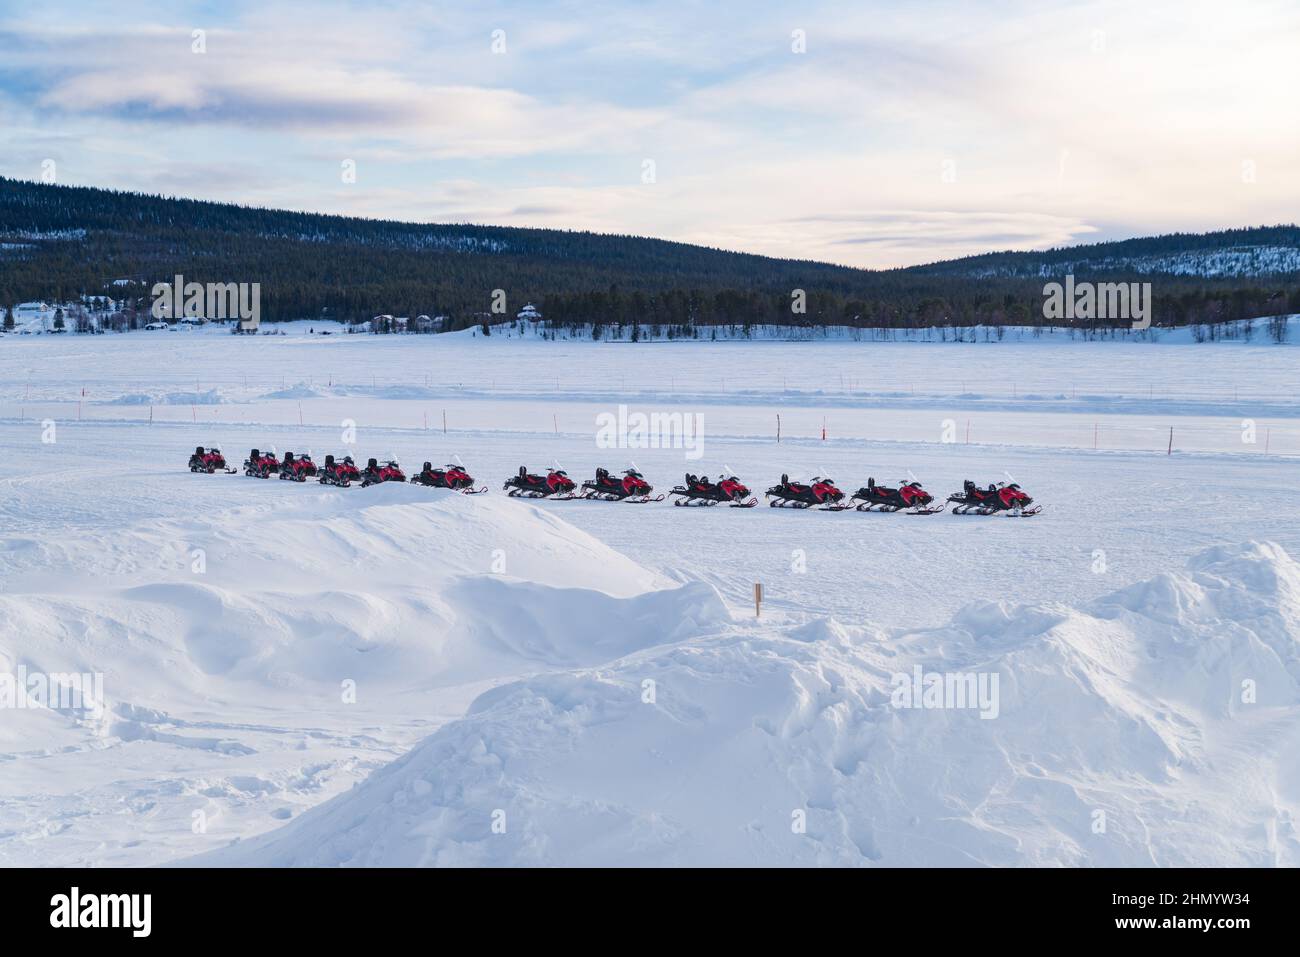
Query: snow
point(1127, 706)
point(498, 650)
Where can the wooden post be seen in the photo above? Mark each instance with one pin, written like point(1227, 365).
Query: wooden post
point(758, 599)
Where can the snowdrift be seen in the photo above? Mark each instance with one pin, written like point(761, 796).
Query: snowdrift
point(276, 603)
point(1157, 726)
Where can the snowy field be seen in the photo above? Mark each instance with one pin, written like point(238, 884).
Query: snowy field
point(468, 662)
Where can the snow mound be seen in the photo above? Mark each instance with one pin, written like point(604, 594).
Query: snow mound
point(300, 390)
point(397, 588)
point(1157, 726)
point(199, 397)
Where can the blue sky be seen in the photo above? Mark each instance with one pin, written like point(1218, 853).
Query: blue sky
point(897, 133)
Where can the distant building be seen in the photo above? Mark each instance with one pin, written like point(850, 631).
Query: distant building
point(530, 313)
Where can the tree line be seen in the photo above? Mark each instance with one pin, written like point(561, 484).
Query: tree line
point(61, 243)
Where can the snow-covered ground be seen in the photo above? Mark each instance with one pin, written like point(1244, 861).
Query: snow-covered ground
point(589, 679)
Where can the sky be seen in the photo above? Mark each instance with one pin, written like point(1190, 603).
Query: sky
point(870, 134)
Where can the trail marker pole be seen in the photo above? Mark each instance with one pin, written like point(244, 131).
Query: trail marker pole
point(1170, 450)
point(758, 599)
point(778, 427)
point(444, 421)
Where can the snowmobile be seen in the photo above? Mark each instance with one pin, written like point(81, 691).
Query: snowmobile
point(297, 469)
point(819, 492)
point(632, 487)
point(556, 484)
point(209, 461)
point(375, 473)
point(338, 473)
point(909, 496)
point(698, 490)
point(261, 465)
point(999, 498)
point(453, 477)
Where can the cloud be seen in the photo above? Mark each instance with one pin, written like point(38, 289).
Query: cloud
point(253, 80)
point(905, 133)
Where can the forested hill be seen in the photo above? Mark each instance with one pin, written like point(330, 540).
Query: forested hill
point(59, 242)
point(1259, 251)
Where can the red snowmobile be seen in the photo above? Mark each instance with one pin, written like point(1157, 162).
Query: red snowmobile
point(820, 492)
point(375, 473)
point(297, 469)
point(453, 477)
point(908, 496)
point(698, 490)
point(341, 474)
point(261, 465)
point(996, 499)
point(209, 461)
point(556, 484)
point(632, 487)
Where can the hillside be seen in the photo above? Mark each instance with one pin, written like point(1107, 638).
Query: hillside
point(61, 242)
